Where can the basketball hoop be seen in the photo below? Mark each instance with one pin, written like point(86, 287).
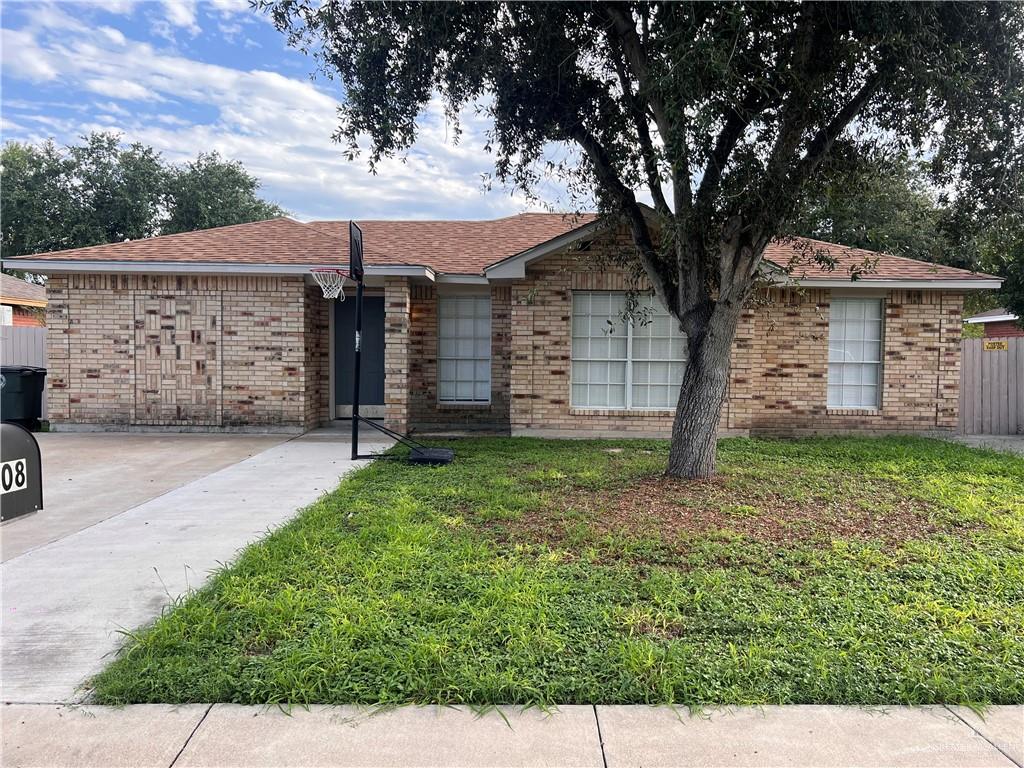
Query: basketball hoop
point(331, 282)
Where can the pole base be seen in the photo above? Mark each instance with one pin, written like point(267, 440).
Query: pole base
point(434, 456)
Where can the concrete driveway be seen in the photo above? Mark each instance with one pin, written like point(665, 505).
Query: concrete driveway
point(1005, 443)
point(92, 477)
point(97, 560)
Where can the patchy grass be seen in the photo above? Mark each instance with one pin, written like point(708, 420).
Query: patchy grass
point(815, 571)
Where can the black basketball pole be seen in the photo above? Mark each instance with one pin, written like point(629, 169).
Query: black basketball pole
point(356, 380)
point(418, 453)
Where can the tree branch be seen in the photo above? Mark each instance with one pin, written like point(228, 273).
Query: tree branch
point(639, 117)
point(663, 284)
point(739, 118)
point(671, 133)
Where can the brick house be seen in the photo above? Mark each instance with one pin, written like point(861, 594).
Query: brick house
point(998, 323)
point(511, 326)
point(21, 303)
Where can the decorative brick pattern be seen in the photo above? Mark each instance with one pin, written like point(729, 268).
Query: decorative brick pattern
point(185, 351)
point(177, 358)
point(425, 412)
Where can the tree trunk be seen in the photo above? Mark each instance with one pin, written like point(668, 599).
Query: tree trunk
point(705, 382)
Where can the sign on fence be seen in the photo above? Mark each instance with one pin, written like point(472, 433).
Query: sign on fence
point(996, 345)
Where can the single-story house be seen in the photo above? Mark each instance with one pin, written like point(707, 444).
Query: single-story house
point(21, 303)
point(999, 322)
point(511, 326)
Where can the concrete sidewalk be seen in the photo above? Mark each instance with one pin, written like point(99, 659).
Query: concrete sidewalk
point(65, 602)
point(226, 735)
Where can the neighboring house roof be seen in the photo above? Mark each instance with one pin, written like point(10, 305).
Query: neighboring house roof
point(998, 315)
point(14, 290)
point(498, 248)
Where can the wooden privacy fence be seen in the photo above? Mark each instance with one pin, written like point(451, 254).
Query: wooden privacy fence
point(992, 386)
point(21, 345)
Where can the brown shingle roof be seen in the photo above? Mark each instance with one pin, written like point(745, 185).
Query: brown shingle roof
point(800, 252)
point(274, 241)
point(453, 247)
point(13, 290)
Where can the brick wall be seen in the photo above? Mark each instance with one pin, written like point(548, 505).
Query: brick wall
point(28, 317)
point(425, 412)
point(185, 351)
point(1002, 329)
point(317, 373)
point(778, 379)
point(787, 360)
point(397, 308)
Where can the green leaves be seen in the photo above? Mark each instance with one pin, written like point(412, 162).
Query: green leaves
point(100, 191)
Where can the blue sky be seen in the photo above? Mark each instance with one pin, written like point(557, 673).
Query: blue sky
point(186, 76)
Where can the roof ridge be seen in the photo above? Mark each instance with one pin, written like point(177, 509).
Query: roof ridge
point(454, 221)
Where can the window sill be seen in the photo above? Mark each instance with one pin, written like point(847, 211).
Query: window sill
point(462, 406)
point(852, 411)
point(645, 412)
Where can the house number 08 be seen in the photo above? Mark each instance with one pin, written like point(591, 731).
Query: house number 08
point(13, 476)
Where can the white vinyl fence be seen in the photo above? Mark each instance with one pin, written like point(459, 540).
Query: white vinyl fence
point(23, 346)
point(992, 386)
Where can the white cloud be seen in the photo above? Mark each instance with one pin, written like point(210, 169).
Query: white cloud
point(181, 13)
point(228, 7)
point(23, 58)
point(120, 89)
point(114, 35)
point(278, 126)
point(119, 7)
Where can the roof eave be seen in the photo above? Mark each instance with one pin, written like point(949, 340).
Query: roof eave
point(12, 301)
point(55, 266)
point(937, 283)
point(992, 319)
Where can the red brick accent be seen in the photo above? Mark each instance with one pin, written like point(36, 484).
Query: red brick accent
point(1002, 329)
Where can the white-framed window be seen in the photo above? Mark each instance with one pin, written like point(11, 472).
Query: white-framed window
point(6, 315)
point(624, 365)
point(464, 349)
point(854, 353)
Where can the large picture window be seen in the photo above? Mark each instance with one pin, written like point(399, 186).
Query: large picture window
point(624, 365)
point(854, 353)
point(464, 349)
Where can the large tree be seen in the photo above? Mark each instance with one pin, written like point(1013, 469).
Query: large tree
point(722, 112)
point(213, 192)
point(102, 191)
point(889, 204)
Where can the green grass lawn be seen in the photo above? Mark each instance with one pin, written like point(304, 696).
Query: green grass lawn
point(868, 571)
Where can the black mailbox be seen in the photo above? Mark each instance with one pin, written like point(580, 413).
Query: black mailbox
point(21, 472)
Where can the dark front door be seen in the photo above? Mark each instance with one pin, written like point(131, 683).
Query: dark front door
point(371, 391)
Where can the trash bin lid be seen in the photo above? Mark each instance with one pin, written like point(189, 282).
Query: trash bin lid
point(9, 369)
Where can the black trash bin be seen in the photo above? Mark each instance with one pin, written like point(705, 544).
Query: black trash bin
point(21, 394)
